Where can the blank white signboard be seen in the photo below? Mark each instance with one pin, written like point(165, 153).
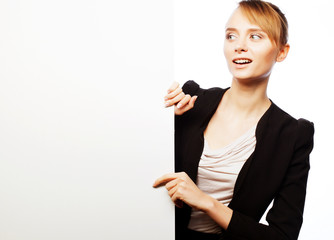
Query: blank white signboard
point(83, 130)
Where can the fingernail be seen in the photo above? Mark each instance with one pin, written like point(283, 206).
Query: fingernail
point(166, 104)
point(179, 105)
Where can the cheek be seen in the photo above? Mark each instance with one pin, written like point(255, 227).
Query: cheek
point(270, 54)
point(267, 58)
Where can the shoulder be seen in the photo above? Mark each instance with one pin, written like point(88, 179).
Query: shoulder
point(305, 133)
point(207, 98)
point(190, 87)
point(300, 130)
point(305, 128)
point(193, 88)
point(300, 125)
point(205, 105)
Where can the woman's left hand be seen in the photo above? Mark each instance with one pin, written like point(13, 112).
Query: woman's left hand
point(182, 189)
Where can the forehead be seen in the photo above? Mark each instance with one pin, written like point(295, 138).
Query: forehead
point(239, 21)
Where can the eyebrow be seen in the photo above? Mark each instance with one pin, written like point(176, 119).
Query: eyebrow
point(249, 30)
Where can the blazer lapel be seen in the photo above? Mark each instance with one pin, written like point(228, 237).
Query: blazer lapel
point(259, 134)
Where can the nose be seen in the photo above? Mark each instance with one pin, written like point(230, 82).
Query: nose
point(241, 46)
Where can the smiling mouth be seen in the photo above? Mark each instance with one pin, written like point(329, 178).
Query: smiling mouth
point(242, 61)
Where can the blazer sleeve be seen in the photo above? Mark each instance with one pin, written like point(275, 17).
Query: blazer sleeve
point(286, 215)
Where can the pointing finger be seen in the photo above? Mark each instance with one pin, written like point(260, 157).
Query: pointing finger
point(164, 179)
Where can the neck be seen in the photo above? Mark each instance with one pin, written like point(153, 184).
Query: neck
point(250, 99)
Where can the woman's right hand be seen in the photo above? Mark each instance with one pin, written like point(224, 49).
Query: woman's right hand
point(176, 97)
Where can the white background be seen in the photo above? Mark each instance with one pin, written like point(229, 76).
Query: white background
point(83, 133)
point(302, 85)
point(83, 130)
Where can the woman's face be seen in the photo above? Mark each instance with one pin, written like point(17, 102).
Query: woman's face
point(249, 52)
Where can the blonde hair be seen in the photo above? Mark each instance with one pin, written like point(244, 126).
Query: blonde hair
point(269, 18)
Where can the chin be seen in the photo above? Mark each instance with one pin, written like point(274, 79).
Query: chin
point(247, 77)
point(243, 77)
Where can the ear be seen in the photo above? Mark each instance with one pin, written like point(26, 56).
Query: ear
point(283, 53)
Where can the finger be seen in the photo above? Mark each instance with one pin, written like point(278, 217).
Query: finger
point(192, 101)
point(172, 190)
point(179, 110)
point(189, 104)
point(177, 200)
point(176, 99)
point(175, 196)
point(174, 93)
point(164, 179)
point(173, 87)
point(184, 101)
point(171, 184)
point(169, 177)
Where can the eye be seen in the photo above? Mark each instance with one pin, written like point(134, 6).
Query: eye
point(255, 36)
point(230, 36)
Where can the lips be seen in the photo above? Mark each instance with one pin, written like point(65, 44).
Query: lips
point(242, 61)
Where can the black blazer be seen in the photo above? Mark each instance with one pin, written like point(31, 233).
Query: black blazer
point(277, 169)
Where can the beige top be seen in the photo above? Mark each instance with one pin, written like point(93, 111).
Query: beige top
point(217, 172)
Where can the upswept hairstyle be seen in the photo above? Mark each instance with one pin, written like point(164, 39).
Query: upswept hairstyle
point(268, 17)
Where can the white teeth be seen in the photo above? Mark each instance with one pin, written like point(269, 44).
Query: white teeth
point(242, 61)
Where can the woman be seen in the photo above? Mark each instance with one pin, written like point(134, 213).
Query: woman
point(235, 150)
